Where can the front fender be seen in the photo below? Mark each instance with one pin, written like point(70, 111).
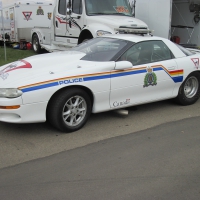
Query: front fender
point(38, 33)
point(94, 27)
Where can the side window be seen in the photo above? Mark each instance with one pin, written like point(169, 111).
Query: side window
point(147, 52)
point(161, 52)
point(77, 6)
point(132, 54)
point(62, 7)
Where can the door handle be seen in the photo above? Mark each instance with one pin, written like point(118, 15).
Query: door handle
point(57, 24)
point(171, 68)
point(77, 17)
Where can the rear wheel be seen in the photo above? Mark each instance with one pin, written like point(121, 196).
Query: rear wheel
point(69, 110)
point(36, 44)
point(189, 91)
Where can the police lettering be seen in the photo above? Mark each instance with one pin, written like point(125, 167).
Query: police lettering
point(75, 80)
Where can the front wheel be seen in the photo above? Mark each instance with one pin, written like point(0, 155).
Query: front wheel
point(189, 91)
point(85, 40)
point(69, 110)
point(36, 44)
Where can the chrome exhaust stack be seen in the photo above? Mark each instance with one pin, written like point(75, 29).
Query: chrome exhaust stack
point(121, 112)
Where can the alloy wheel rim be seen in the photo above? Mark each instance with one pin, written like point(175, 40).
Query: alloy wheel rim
point(74, 111)
point(35, 44)
point(191, 87)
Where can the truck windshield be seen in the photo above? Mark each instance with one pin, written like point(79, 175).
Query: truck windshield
point(102, 49)
point(108, 7)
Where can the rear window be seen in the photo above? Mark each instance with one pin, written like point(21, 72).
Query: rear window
point(185, 51)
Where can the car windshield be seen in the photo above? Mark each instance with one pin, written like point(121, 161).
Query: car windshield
point(108, 7)
point(102, 49)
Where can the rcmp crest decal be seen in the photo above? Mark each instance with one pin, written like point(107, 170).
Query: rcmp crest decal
point(49, 15)
point(40, 11)
point(150, 78)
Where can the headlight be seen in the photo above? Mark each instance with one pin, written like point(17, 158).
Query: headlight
point(10, 92)
point(100, 33)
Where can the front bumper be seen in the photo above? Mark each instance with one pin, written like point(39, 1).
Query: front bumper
point(28, 113)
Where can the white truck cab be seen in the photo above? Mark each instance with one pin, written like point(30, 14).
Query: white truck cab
point(74, 21)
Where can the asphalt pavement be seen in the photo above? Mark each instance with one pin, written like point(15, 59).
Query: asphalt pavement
point(162, 162)
point(24, 142)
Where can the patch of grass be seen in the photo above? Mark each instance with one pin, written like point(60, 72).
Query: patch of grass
point(13, 55)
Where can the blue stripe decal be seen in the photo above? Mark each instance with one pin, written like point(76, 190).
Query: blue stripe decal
point(178, 79)
point(39, 87)
point(91, 78)
point(158, 69)
point(128, 73)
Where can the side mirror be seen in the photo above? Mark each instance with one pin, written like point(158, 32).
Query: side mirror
point(69, 11)
point(133, 5)
point(121, 65)
point(69, 7)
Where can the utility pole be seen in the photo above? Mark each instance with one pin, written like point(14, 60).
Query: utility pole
point(4, 39)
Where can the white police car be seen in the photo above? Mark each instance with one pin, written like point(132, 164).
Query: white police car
point(102, 74)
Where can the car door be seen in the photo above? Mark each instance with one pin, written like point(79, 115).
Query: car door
point(152, 77)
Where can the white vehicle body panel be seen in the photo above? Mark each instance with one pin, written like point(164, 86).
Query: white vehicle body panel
point(157, 14)
point(20, 18)
point(162, 15)
point(124, 84)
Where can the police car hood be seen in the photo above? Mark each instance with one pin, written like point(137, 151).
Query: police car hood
point(39, 68)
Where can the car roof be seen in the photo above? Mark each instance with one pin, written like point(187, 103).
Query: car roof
point(133, 37)
point(138, 38)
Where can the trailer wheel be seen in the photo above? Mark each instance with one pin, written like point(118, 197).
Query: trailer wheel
point(36, 44)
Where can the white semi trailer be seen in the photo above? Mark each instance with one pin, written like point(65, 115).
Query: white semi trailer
point(172, 19)
point(20, 17)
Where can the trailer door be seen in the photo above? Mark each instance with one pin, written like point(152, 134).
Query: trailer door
point(157, 14)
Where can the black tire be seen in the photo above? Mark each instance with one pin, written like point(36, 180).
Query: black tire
point(86, 40)
point(89, 37)
point(189, 91)
point(36, 44)
point(62, 110)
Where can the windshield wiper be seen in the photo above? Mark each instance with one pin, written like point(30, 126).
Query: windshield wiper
point(101, 13)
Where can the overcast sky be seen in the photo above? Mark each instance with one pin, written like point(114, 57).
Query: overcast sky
point(8, 2)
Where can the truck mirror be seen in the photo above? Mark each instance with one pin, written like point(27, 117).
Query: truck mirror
point(70, 4)
point(69, 11)
point(133, 5)
point(69, 7)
